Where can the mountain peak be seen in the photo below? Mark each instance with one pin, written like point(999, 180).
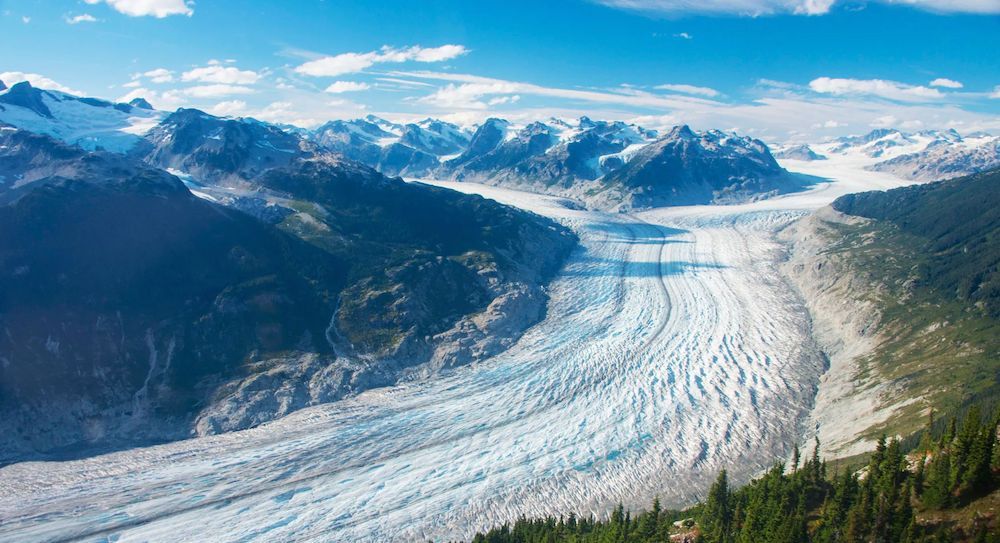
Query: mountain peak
point(24, 95)
point(682, 131)
point(141, 103)
point(2, 86)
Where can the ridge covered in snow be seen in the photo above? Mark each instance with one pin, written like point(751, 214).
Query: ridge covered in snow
point(90, 123)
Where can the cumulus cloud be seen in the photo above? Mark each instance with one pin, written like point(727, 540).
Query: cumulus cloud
point(167, 100)
point(946, 83)
point(36, 80)
point(212, 91)
point(689, 89)
point(347, 63)
point(891, 90)
point(82, 18)
point(228, 108)
point(284, 113)
point(216, 73)
point(683, 36)
point(995, 94)
point(884, 121)
point(338, 87)
point(160, 75)
point(153, 8)
point(500, 100)
point(755, 8)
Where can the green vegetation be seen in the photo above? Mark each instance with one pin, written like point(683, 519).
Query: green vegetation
point(945, 489)
point(932, 256)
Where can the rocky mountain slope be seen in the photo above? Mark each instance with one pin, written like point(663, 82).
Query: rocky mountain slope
point(685, 167)
point(904, 292)
point(133, 310)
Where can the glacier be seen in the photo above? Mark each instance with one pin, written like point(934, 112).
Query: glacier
point(672, 347)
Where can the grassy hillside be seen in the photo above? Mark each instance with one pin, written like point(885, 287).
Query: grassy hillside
point(931, 253)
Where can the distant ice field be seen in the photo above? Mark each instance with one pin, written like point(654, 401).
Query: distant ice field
point(672, 348)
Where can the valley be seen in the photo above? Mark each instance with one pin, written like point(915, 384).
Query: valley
point(672, 347)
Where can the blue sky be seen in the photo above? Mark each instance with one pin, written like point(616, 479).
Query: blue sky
point(781, 69)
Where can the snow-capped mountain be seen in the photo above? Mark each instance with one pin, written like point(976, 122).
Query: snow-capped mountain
point(90, 123)
point(943, 159)
point(215, 149)
point(688, 167)
point(413, 149)
point(799, 152)
point(927, 155)
point(571, 158)
point(543, 155)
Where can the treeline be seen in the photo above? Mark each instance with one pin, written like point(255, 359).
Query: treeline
point(805, 503)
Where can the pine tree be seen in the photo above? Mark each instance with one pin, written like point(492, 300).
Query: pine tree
point(716, 515)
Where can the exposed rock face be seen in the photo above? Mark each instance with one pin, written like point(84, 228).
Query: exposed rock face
point(845, 325)
point(904, 293)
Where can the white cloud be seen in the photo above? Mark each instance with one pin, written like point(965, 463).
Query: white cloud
point(166, 101)
point(137, 92)
point(689, 89)
point(500, 100)
point(338, 87)
point(284, 112)
point(995, 94)
point(36, 80)
point(981, 7)
point(829, 124)
point(347, 63)
point(229, 108)
point(132, 84)
point(160, 75)
point(214, 73)
point(946, 83)
point(891, 90)
point(25, 19)
point(404, 82)
point(82, 18)
point(469, 94)
point(751, 8)
point(212, 91)
point(683, 36)
point(154, 8)
point(885, 121)
point(755, 8)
